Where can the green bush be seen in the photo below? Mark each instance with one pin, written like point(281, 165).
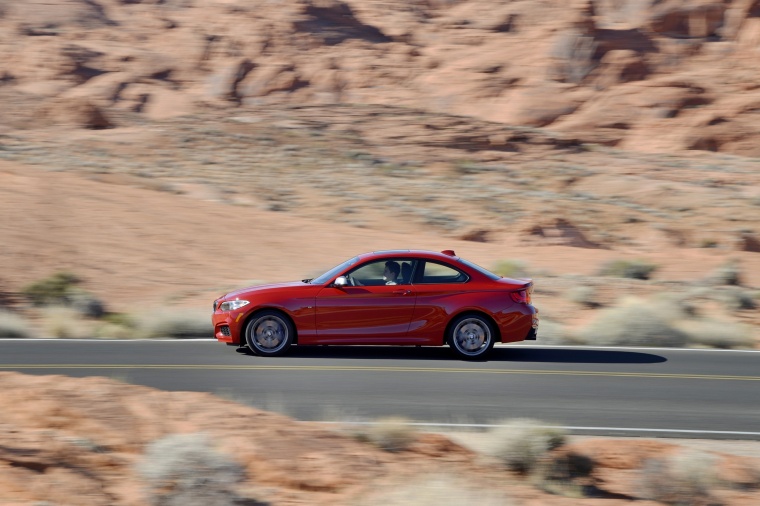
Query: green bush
point(51, 291)
point(633, 269)
point(61, 289)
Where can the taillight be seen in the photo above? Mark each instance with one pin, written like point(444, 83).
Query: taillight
point(521, 296)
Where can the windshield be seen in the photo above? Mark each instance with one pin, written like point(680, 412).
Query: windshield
point(480, 269)
point(327, 276)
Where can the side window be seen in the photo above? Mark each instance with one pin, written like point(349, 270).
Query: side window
point(439, 273)
point(383, 272)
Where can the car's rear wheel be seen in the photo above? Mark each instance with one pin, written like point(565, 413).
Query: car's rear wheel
point(471, 336)
point(269, 333)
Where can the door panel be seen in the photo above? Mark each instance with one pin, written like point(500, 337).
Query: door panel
point(364, 314)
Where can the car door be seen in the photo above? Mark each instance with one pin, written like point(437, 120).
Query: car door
point(370, 311)
point(440, 288)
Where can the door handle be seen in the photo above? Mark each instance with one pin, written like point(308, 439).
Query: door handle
point(401, 292)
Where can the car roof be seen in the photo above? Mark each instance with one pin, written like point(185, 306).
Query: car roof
point(416, 253)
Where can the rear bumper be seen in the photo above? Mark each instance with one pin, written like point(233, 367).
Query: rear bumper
point(521, 325)
point(533, 333)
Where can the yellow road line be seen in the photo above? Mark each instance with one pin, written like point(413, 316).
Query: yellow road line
point(307, 368)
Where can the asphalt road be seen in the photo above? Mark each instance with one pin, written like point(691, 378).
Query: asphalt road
point(645, 392)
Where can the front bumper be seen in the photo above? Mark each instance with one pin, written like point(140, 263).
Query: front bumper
point(227, 326)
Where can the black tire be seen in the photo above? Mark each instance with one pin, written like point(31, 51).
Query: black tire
point(269, 333)
point(471, 336)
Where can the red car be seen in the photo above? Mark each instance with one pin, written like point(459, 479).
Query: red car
point(402, 297)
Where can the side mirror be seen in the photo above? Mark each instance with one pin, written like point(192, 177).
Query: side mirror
point(340, 282)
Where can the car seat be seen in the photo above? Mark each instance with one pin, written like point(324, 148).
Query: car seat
point(406, 273)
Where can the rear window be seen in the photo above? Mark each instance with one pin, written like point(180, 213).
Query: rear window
point(435, 273)
point(480, 269)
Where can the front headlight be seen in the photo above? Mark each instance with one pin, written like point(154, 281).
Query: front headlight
point(232, 305)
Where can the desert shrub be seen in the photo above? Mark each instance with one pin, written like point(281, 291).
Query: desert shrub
point(175, 323)
point(633, 269)
point(13, 325)
point(185, 470)
point(551, 332)
point(510, 268)
point(520, 443)
point(61, 289)
point(713, 333)
point(727, 274)
point(86, 304)
point(433, 491)
point(736, 299)
point(560, 473)
point(391, 434)
point(583, 296)
point(685, 478)
point(52, 290)
point(64, 323)
point(636, 322)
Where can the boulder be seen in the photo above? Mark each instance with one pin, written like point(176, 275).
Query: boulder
point(78, 112)
point(687, 18)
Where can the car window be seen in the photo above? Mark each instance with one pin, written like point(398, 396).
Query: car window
point(435, 273)
point(382, 272)
point(480, 269)
point(327, 276)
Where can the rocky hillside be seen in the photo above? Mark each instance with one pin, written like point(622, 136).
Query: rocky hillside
point(636, 74)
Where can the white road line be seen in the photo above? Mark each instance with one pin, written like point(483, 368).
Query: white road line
point(565, 427)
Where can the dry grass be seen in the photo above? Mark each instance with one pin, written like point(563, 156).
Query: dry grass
point(13, 325)
point(65, 323)
point(636, 322)
point(633, 269)
point(685, 478)
point(174, 323)
point(520, 443)
point(713, 333)
point(184, 469)
point(668, 320)
point(391, 434)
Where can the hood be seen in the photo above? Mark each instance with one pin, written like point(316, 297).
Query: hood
point(256, 288)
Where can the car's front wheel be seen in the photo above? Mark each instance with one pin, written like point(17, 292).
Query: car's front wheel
point(269, 333)
point(471, 336)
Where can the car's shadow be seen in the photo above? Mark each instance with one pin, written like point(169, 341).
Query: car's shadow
point(516, 354)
